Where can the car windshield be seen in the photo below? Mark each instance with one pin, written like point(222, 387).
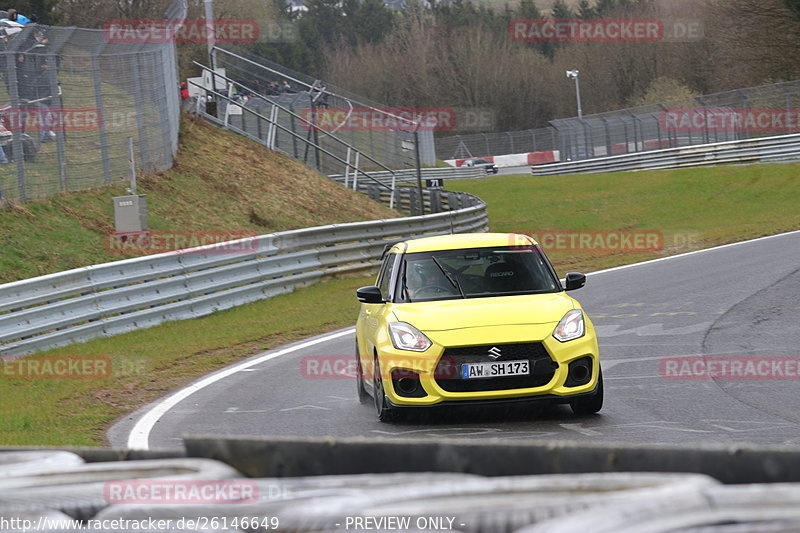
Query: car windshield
point(476, 273)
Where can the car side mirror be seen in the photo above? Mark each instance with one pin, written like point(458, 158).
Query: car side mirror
point(369, 295)
point(574, 280)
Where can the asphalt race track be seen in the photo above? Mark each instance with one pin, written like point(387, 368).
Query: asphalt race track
point(526, 169)
point(737, 301)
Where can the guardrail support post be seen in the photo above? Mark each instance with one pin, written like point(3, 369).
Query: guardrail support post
point(419, 173)
point(436, 200)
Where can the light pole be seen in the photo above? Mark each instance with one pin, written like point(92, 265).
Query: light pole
point(574, 75)
point(210, 35)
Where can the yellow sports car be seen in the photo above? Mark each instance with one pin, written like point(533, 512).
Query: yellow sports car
point(474, 317)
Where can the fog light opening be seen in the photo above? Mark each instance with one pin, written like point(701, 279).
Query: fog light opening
point(406, 383)
point(579, 372)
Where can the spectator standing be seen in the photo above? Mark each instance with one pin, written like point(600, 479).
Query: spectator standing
point(34, 80)
point(17, 17)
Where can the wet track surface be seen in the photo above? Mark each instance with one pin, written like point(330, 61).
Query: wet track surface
point(736, 302)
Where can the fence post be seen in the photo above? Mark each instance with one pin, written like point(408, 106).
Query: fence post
point(745, 105)
point(347, 170)
point(19, 152)
point(355, 171)
point(56, 103)
point(170, 108)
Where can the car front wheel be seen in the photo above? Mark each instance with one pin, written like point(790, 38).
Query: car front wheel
point(589, 405)
point(363, 397)
point(386, 413)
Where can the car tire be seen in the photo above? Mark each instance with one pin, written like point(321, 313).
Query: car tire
point(363, 397)
point(589, 405)
point(386, 413)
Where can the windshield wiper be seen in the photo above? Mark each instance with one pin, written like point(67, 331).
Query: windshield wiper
point(450, 277)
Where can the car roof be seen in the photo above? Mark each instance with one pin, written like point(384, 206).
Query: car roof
point(462, 240)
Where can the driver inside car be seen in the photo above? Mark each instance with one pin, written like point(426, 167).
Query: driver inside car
point(425, 281)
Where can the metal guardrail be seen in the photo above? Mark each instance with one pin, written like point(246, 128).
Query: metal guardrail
point(409, 175)
point(785, 147)
point(111, 298)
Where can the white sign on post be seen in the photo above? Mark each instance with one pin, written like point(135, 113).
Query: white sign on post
point(220, 83)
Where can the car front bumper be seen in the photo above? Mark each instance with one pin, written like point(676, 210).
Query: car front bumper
point(424, 366)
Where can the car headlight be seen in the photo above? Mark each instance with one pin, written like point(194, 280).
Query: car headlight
point(407, 337)
point(571, 326)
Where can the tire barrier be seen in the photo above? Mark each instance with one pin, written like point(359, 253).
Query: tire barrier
point(468, 503)
point(79, 491)
point(721, 509)
point(63, 490)
point(26, 463)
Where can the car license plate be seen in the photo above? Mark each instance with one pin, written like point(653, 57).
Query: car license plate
point(495, 370)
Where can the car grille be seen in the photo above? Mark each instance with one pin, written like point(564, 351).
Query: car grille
point(448, 370)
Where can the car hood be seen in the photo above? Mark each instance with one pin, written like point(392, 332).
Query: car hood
point(477, 312)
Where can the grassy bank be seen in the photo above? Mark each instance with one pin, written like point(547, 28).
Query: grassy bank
point(688, 209)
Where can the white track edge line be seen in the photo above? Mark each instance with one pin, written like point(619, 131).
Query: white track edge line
point(139, 437)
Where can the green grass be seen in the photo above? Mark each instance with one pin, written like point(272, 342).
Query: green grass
point(710, 206)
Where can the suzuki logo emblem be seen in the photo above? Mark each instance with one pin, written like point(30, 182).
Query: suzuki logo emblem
point(495, 352)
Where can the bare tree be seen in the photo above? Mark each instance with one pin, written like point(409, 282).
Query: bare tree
point(96, 13)
point(761, 36)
